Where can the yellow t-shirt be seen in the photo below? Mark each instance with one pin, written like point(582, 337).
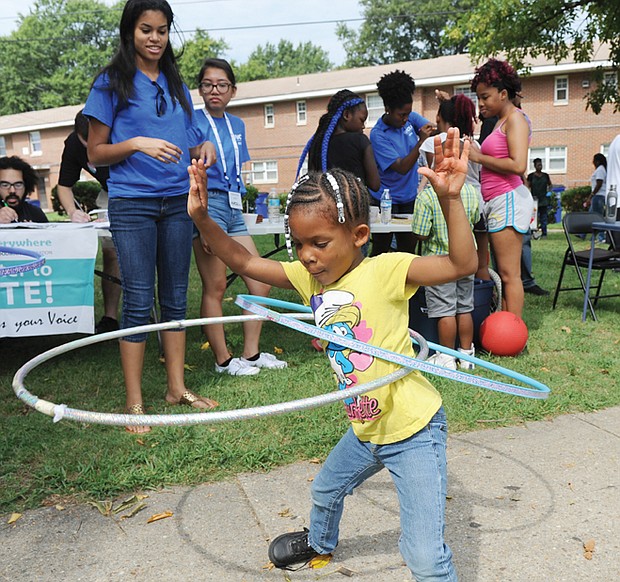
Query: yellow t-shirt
point(370, 304)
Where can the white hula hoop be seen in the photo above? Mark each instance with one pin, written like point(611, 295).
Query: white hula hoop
point(62, 411)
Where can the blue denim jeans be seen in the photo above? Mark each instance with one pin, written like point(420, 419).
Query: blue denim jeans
point(152, 235)
point(417, 466)
point(598, 205)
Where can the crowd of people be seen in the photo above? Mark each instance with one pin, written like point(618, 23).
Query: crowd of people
point(171, 182)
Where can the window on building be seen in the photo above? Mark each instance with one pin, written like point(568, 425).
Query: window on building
point(264, 172)
point(302, 116)
point(466, 90)
point(2, 146)
point(35, 143)
point(270, 116)
point(560, 96)
point(375, 107)
point(610, 79)
point(553, 159)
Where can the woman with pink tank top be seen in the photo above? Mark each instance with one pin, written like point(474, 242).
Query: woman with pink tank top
point(508, 204)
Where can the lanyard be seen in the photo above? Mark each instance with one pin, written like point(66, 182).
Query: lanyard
point(220, 148)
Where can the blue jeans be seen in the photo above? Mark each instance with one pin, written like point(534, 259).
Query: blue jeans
point(543, 218)
point(152, 234)
point(417, 466)
point(598, 205)
point(526, 261)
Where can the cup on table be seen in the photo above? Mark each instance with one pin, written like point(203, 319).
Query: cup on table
point(374, 214)
point(250, 219)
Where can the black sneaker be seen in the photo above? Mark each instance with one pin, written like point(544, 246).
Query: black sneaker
point(106, 324)
point(291, 548)
point(536, 290)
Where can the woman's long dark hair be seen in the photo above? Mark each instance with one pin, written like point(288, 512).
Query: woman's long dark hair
point(122, 68)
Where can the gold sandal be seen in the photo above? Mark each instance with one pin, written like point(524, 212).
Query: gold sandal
point(189, 399)
point(136, 429)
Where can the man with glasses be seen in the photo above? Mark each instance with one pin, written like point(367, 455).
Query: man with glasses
point(17, 181)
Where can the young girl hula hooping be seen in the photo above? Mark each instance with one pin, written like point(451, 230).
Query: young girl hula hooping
point(508, 204)
point(142, 126)
point(401, 426)
point(217, 85)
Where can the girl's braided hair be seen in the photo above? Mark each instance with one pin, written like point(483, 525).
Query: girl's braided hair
point(396, 89)
point(459, 111)
point(498, 74)
point(318, 144)
point(344, 199)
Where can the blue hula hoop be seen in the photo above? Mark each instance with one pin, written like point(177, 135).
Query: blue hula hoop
point(533, 389)
point(24, 267)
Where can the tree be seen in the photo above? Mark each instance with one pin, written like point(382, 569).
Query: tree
point(54, 55)
point(403, 30)
point(195, 51)
point(271, 61)
point(554, 28)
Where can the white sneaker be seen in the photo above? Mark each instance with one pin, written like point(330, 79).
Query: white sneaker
point(267, 361)
point(464, 364)
point(237, 367)
point(444, 360)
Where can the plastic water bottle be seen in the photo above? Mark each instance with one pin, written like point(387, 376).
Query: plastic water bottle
point(273, 206)
point(611, 204)
point(386, 207)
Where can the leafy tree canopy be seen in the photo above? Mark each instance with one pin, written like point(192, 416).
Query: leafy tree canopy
point(284, 60)
point(195, 51)
point(519, 29)
point(52, 58)
point(403, 30)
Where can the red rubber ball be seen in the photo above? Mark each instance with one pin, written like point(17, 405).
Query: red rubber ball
point(503, 334)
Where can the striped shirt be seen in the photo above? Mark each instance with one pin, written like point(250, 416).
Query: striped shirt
point(428, 219)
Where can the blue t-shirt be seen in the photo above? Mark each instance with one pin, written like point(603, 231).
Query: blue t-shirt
point(215, 174)
point(140, 175)
point(389, 144)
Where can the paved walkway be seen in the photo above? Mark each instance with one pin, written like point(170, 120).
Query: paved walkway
point(523, 501)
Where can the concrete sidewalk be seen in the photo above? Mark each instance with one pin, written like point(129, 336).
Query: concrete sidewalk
point(523, 500)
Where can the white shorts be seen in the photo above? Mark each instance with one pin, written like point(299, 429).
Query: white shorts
point(510, 210)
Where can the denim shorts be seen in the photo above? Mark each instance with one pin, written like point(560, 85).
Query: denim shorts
point(230, 220)
point(152, 236)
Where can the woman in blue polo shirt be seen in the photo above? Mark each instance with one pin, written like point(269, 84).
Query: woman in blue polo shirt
point(396, 139)
point(142, 126)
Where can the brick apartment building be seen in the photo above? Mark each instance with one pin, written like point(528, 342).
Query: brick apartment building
point(282, 114)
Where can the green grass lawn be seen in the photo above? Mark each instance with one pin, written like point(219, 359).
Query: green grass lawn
point(44, 463)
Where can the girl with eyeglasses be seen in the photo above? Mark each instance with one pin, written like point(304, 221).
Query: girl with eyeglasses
point(142, 126)
point(217, 86)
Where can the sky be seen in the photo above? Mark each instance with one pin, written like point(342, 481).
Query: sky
point(242, 23)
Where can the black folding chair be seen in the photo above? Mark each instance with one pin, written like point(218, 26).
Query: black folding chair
point(577, 226)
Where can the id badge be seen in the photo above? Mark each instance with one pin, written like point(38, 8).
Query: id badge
point(234, 199)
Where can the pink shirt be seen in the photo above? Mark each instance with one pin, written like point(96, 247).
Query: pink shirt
point(494, 184)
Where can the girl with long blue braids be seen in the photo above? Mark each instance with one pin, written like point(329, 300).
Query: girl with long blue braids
point(340, 142)
point(400, 426)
